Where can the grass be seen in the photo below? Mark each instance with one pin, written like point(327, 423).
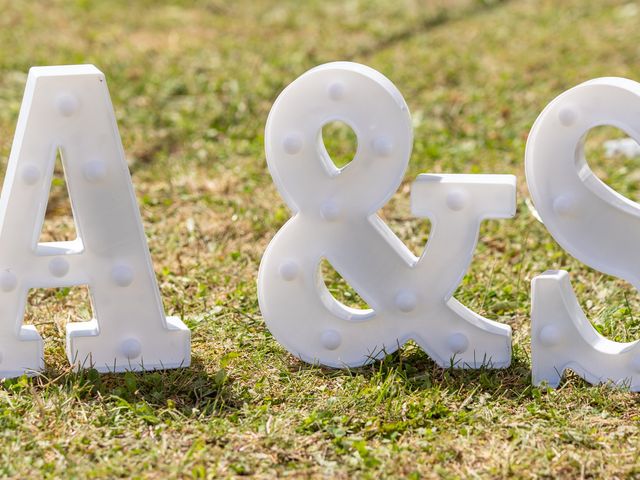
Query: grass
point(192, 84)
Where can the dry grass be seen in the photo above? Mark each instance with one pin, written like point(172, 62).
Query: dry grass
point(192, 84)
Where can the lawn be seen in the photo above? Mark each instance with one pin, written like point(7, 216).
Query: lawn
point(192, 84)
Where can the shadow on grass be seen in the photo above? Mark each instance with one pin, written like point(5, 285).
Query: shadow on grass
point(411, 366)
point(192, 390)
point(441, 18)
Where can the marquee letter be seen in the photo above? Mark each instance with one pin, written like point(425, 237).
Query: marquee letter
point(68, 109)
point(592, 222)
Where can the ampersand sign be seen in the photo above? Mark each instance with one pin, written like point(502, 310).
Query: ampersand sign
point(592, 222)
point(334, 217)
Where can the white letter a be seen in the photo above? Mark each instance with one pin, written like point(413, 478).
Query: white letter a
point(68, 109)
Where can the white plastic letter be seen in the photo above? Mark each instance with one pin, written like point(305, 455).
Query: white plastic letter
point(334, 217)
point(68, 109)
point(592, 222)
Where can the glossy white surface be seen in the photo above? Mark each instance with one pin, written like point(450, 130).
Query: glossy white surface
point(68, 109)
point(592, 222)
point(334, 217)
